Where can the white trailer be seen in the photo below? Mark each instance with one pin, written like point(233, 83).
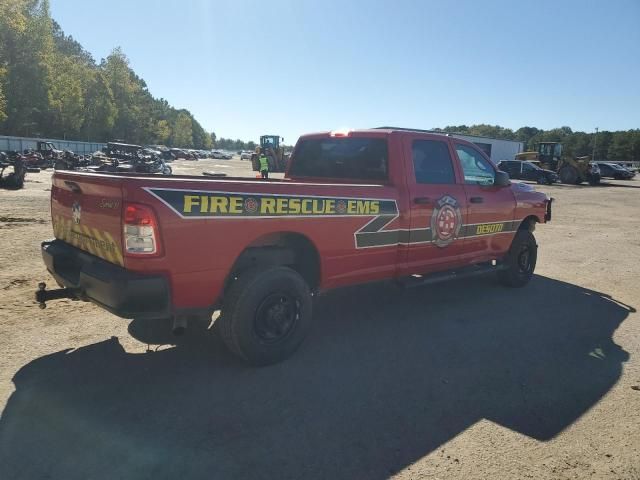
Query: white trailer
point(20, 144)
point(496, 148)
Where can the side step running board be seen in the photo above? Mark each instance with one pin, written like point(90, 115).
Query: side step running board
point(466, 272)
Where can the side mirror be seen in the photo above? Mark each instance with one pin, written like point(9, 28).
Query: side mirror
point(502, 179)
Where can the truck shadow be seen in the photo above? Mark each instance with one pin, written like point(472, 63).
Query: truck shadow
point(386, 377)
point(619, 185)
point(602, 184)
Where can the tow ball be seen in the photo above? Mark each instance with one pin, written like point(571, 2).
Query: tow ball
point(43, 295)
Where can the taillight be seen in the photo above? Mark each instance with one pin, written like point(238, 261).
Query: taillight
point(141, 236)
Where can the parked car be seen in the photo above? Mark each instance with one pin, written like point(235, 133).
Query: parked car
point(613, 170)
point(528, 170)
point(185, 154)
point(245, 155)
point(221, 155)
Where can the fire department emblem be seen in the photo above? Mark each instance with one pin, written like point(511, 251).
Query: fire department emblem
point(341, 206)
point(446, 221)
point(251, 205)
point(76, 212)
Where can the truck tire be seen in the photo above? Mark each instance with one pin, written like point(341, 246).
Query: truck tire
point(266, 315)
point(13, 181)
point(273, 163)
point(520, 261)
point(568, 175)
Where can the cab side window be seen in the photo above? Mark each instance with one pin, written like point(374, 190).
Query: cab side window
point(432, 162)
point(477, 169)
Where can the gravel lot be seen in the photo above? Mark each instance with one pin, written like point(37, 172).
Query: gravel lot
point(462, 380)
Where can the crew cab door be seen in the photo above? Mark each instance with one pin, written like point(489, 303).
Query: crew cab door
point(437, 203)
point(529, 172)
point(490, 211)
point(511, 167)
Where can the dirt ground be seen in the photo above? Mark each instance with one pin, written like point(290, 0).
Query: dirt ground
point(464, 380)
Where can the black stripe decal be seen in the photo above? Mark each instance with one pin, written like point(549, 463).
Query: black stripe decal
point(366, 237)
point(377, 224)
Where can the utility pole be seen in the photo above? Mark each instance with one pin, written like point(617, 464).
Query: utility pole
point(595, 139)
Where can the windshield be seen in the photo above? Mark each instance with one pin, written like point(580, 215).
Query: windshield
point(531, 166)
point(557, 150)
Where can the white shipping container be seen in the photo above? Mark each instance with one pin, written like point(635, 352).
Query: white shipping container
point(497, 149)
point(20, 144)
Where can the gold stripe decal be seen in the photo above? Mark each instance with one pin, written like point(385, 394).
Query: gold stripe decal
point(116, 250)
point(92, 240)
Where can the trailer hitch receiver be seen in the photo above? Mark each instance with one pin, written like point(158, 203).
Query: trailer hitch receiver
point(43, 295)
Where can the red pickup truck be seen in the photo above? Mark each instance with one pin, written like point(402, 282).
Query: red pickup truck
point(354, 207)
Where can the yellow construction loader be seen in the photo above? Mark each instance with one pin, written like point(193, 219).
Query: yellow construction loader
point(270, 146)
point(570, 170)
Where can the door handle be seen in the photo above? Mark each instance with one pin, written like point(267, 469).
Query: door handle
point(422, 200)
point(476, 199)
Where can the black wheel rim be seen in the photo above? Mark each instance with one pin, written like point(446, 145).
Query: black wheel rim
point(524, 260)
point(276, 317)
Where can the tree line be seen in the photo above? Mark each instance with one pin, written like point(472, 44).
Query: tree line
point(50, 86)
point(612, 146)
point(232, 145)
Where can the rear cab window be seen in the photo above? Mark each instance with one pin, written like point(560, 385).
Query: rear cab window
point(349, 158)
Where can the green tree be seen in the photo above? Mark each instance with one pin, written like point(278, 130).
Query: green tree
point(198, 133)
point(101, 111)
point(207, 143)
point(181, 132)
point(121, 82)
point(162, 132)
point(27, 51)
point(67, 96)
point(3, 100)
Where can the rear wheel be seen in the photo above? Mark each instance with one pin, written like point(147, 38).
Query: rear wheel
point(266, 315)
point(569, 175)
point(520, 261)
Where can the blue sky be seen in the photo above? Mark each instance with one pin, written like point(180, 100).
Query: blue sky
point(246, 68)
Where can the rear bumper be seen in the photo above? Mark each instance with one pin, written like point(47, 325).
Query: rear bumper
point(120, 291)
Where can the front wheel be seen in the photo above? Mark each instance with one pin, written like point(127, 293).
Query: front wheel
point(520, 261)
point(266, 315)
point(568, 175)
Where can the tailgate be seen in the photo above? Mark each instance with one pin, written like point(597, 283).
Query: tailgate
point(86, 212)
